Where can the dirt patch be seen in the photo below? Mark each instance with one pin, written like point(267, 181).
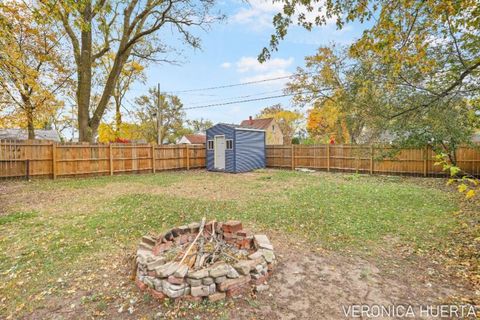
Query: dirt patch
point(308, 283)
point(219, 186)
point(323, 282)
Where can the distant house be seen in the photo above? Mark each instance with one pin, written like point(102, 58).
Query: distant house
point(22, 134)
point(273, 132)
point(192, 139)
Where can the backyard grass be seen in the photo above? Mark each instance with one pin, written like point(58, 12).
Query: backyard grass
point(61, 237)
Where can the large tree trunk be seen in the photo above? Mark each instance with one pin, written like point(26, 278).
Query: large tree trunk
point(30, 127)
point(118, 114)
point(121, 58)
point(85, 80)
point(28, 108)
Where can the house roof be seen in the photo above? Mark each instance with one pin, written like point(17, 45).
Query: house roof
point(196, 138)
point(22, 134)
point(261, 124)
point(239, 127)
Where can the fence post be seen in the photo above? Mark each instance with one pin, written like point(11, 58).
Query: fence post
point(188, 156)
point(110, 158)
point(54, 161)
point(293, 156)
point(153, 158)
point(328, 157)
point(371, 158)
point(425, 161)
point(27, 169)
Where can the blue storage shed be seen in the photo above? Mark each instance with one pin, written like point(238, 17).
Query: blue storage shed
point(233, 148)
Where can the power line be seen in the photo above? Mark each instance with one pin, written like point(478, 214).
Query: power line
point(241, 97)
point(246, 100)
point(235, 85)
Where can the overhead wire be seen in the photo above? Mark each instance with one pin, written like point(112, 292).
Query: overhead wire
point(248, 100)
point(236, 84)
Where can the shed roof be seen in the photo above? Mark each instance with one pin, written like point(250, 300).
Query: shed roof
point(240, 127)
point(22, 134)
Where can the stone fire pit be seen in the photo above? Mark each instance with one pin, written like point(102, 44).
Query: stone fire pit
point(210, 260)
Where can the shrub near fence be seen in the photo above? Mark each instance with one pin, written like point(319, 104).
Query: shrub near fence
point(367, 159)
point(36, 158)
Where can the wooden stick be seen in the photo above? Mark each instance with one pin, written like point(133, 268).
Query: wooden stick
point(200, 231)
point(198, 261)
point(213, 231)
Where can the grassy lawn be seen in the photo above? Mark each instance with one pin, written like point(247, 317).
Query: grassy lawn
point(58, 237)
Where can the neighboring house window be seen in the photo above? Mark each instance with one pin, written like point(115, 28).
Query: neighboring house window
point(229, 144)
point(210, 144)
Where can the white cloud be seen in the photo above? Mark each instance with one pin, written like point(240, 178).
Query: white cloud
point(253, 70)
point(226, 65)
point(259, 14)
point(246, 64)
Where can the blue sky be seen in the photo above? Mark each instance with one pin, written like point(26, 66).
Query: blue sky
point(228, 56)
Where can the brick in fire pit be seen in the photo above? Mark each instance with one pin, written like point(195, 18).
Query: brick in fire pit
point(244, 266)
point(148, 240)
point(194, 227)
point(232, 226)
point(155, 263)
point(209, 226)
point(175, 280)
point(161, 247)
point(242, 233)
point(232, 273)
point(262, 241)
point(207, 281)
point(194, 282)
point(198, 274)
point(232, 283)
point(184, 229)
point(201, 291)
point(220, 279)
point(219, 270)
point(181, 271)
point(166, 269)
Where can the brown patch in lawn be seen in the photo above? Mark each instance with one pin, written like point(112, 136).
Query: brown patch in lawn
point(197, 184)
point(221, 186)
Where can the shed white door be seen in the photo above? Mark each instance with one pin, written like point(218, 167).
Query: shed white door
point(219, 150)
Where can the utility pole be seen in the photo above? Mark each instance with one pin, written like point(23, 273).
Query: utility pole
point(159, 118)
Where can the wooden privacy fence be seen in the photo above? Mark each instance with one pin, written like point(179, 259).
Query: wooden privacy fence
point(35, 158)
point(368, 159)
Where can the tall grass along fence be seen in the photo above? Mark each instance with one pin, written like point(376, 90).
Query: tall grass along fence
point(368, 159)
point(46, 159)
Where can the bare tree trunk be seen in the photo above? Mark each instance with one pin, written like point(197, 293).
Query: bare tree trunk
point(28, 108)
point(30, 127)
point(85, 79)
